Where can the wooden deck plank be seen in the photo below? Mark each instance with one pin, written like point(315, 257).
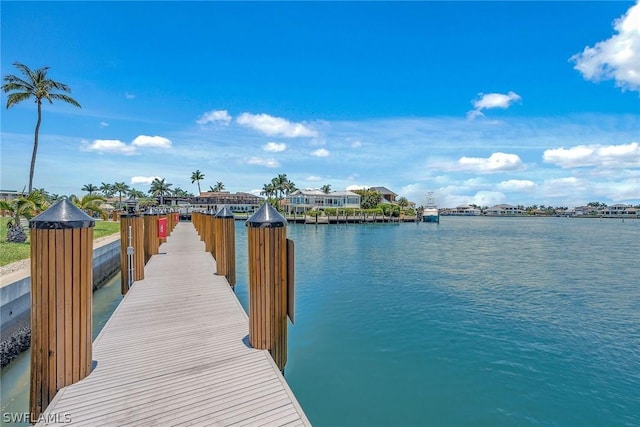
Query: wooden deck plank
point(175, 351)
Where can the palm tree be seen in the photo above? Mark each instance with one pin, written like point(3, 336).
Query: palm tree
point(197, 176)
point(22, 207)
point(106, 189)
point(90, 203)
point(326, 189)
point(35, 85)
point(159, 188)
point(135, 193)
point(120, 188)
point(89, 188)
point(278, 183)
point(268, 190)
point(179, 192)
point(218, 187)
point(289, 187)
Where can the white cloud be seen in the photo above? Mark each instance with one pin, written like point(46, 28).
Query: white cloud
point(607, 156)
point(269, 163)
point(523, 185)
point(275, 126)
point(151, 141)
point(111, 146)
point(320, 152)
point(104, 124)
point(128, 95)
point(492, 100)
point(616, 58)
point(143, 179)
point(116, 146)
point(497, 162)
point(356, 144)
point(274, 147)
point(358, 187)
point(215, 116)
point(488, 198)
point(564, 187)
point(313, 178)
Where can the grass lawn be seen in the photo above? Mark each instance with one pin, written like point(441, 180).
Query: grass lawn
point(12, 252)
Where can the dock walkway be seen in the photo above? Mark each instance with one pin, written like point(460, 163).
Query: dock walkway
point(176, 352)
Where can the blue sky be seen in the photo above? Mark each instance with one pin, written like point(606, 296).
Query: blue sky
point(479, 102)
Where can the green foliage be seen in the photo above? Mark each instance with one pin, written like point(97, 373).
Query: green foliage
point(90, 188)
point(12, 252)
point(389, 209)
point(197, 176)
point(25, 206)
point(369, 198)
point(90, 203)
point(122, 189)
point(217, 188)
point(159, 188)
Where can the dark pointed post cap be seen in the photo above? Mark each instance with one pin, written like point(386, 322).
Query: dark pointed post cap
point(225, 212)
point(62, 215)
point(266, 217)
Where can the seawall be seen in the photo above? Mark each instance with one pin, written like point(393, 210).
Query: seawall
point(15, 297)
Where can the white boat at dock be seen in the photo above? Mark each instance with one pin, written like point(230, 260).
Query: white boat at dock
point(430, 211)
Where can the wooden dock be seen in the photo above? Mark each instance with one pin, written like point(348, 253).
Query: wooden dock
point(176, 352)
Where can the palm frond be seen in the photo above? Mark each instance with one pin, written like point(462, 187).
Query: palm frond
point(65, 98)
point(16, 98)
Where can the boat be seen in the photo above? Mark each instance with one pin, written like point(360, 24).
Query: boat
point(430, 210)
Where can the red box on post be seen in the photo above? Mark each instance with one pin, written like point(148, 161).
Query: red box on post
point(162, 228)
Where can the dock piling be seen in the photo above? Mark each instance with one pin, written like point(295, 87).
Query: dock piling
point(268, 282)
point(224, 223)
point(151, 239)
point(61, 301)
point(131, 236)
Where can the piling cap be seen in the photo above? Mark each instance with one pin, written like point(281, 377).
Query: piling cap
point(225, 212)
point(266, 217)
point(62, 215)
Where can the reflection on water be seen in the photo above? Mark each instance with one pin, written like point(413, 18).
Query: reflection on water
point(15, 376)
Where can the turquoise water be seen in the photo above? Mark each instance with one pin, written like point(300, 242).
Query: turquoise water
point(472, 322)
point(15, 376)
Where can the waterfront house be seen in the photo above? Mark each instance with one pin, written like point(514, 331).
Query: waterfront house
point(583, 210)
point(238, 202)
point(503, 210)
point(301, 201)
point(618, 210)
point(463, 210)
point(387, 195)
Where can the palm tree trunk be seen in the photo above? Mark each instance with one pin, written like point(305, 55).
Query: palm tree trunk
point(35, 146)
point(199, 188)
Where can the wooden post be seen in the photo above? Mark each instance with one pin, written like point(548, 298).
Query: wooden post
point(210, 233)
point(137, 244)
point(225, 243)
point(170, 224)
point(268, 267)
point(61, 298)
point(151, 240)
